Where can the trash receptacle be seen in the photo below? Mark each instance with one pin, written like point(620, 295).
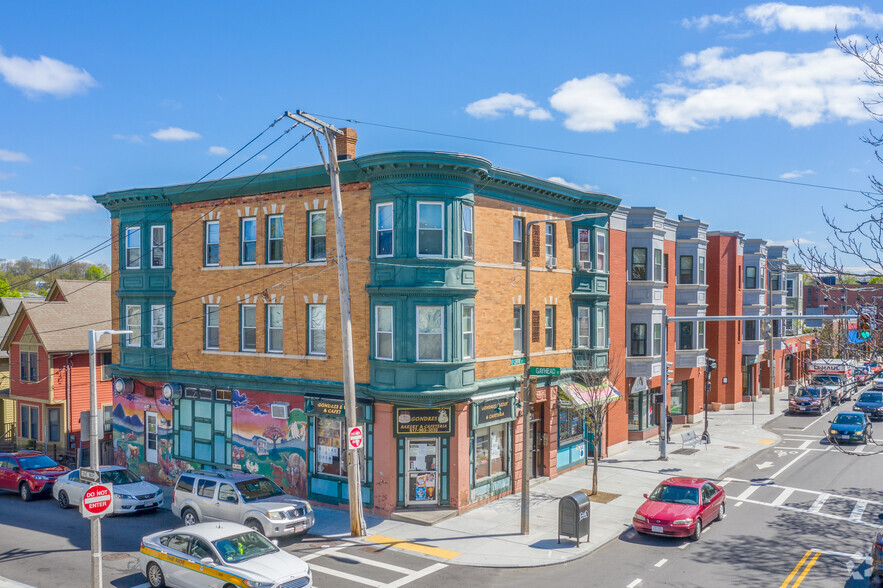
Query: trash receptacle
point(574, 515)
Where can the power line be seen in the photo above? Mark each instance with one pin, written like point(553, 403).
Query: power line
point(595, 156)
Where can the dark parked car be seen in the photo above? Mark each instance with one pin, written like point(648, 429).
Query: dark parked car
point(810, 399)
point(29, 473)
point(870, 403)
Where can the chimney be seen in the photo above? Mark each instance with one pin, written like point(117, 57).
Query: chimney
point(346, 144)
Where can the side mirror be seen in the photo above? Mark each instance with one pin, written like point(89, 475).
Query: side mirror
point(206, 561)
point(275, 542)
point(16, 469)
point(143, 478)
point(646, 495)
point(830, 421)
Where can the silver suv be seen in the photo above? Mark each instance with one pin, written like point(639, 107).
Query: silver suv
point(251, 500)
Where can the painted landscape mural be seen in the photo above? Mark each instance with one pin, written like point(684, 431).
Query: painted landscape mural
point(274, 447)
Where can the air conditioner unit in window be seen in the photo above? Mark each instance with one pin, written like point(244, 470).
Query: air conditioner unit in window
point(279, 410)
point(551, 262)
point(585, 266)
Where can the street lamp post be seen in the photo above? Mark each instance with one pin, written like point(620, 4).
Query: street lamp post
point(95, 530)
point(525, 379)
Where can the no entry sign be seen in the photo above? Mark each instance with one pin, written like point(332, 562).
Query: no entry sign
point(356, 437)
point(98, 500)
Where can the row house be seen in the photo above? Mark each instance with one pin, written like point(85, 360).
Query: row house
point(230, 290)
point(47, 343)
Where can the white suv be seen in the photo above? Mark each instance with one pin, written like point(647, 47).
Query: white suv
point(251, 500)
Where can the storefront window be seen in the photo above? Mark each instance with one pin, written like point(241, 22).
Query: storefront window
point(678, 398)
point(330, 450)
point(642, 411)
point(491, 451)
point(570, 426)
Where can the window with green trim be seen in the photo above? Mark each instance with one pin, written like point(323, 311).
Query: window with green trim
point(203, 431)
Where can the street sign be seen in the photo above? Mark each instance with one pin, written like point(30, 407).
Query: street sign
point(98, 500)
point(356, 437)
point(545, 371)
point(517, 361)
point(89, 475)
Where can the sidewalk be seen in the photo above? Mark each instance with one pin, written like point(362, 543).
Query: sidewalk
point(490, 536)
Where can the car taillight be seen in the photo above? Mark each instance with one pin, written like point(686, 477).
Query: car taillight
point(173, 495)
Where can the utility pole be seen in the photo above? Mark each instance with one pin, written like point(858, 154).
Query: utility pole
point(94, 459)
point(663, 382)
point(771, 362)
point(357, 517)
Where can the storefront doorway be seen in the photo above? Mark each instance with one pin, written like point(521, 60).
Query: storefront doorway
point(748, 381)
point(536, 441)
point(422, 476)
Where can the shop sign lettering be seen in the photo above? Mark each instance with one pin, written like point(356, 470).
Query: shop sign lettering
point(331, 408)
point(424, 421)
point(492, 411)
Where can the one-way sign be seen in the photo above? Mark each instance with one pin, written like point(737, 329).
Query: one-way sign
point(89, 475)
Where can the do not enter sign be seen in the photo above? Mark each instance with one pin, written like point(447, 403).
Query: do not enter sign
point(98, 501)
point(356, 437)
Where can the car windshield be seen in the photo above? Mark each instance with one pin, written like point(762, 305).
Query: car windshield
point(871, 397)
point(675, 494)
point(37, 462)
point(835, 380)
point(848, 419)
point(258, 488)
point(119, 477)
point(243, 547)
point(810, 392)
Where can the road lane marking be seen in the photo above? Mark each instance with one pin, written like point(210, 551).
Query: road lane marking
point(415, 547)
point(806, 570)
point(416, 575)
point(859, 449)
point(818, 514)
point(661, 563)
point(821, 416)
point(346, 576)
point(747, 492)
point(788, 465)
point(634, 583)
point(858, 511)
point(805, 444)
point(808, 491)
point(819, 503)
point(683, 545)
point(796, 568)
point(782, 497)
point(326, 551)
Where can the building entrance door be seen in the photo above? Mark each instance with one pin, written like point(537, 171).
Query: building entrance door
point(422, 474)
point(536, 441)
point(150, 437)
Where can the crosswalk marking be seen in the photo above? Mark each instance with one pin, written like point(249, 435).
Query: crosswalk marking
point(819, 503)
point(325, 551)
point(858, 511)
point(747, 492)
point(804, 511)
point(346, 576)
point(805, 444)
point(859, 449)
point(376, 564)
point(783, 496)
point(416, 575)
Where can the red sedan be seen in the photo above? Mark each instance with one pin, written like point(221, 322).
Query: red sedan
point(680, 507)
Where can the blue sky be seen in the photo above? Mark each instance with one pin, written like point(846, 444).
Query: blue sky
point(96, 97)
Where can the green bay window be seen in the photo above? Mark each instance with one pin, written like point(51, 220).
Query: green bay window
point(203, 431)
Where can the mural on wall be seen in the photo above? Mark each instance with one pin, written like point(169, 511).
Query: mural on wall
point(274, 447)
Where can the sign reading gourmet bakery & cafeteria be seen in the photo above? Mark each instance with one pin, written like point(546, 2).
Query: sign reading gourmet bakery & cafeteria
point(424, 421)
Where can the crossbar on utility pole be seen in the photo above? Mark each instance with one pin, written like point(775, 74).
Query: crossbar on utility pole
point(353, 462)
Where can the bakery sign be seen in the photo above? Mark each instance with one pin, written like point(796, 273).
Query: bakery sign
point(424, 421)
point(489, 412)
point(332, 408)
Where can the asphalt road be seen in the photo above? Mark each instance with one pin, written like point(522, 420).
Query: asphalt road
point(800, 513)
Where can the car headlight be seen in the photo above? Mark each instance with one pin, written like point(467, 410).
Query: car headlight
point(274, 515)
point(158, 493)
point(256, 584)
point(310, 508)
point(41, 478)
point(116, 495)
point(682, 522)
point(640, 517)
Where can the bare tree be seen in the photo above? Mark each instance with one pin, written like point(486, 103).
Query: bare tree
point(597, 395)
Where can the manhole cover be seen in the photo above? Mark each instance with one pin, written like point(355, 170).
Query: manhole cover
point(114, 556)
point(685, 451)
point(730, 447)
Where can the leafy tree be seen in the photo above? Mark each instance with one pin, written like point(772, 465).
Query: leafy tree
point(94, 273)
point(6, 291)
point(876, 280)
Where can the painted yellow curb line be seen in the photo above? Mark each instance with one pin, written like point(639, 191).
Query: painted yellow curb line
point(416, 547)
point(766, 441)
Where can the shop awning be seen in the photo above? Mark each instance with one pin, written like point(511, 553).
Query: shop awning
point(576, 395)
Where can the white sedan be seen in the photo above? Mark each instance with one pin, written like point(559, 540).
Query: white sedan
point(878, 382)
point(130, 493)
point(219, 555)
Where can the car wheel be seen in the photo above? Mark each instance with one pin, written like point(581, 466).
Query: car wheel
point(155, 576)
point(721, 511)
point(255, 526)
point(63, 500)
point(697, 532)
point(189, 517)
point(25, 491)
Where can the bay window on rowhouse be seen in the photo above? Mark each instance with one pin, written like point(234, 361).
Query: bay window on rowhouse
point(468, 232)
point(583, 333)
point(750, 277)
point(657, 266)
point(133, 323)
point(685, 269)
point(248, 241)
point(601, 251)
point(468, 332)
point(316, 331)
point(383, 246)
point(639, 263)
point(158, 246)
point(638, 346)
point(751, 331)
point(701, 270)
point(583, 248)
point(430, 229)
point(657, 338)
point(133, 247)
point(157, 326)
point(601, 327)
point(430, 333)
point(685, 336)
point(317, 229)
point(383, 330)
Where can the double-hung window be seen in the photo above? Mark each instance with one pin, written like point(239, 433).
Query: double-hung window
point(550, 240)
point(248, 327)
point(550, 328)
point(601, 251)
point(468, 232)
point(133, 323)
point(685, 270)
point(701, 270)
point(639, 263)
point(657, 339)
point(133, 247)
point(638, 340)
point(583, 327)
point(685, 336)
point(30, 421)
point(384, 245)
point(248, 241)
point(430, 333)
point(750, 277)
point(700, 335)
point(751, 330)
point(157, 326)
point(212, 243)
point(665, 267)
point(518, 329)
point(468, 332)
point(212, 326)
point(517, 240)
point(275, 237)
point(316, 334)
point(274, 328)
point(789, 288)
point(657, 265)
point(601, 327)
point(775, 281)
point(317, 235)
point(430, 229)
point(27, 356)
point(158, 246)
point(383, 341)
point(583, 247)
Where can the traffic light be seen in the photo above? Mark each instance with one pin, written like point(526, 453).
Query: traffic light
point(710, 364)
point(766, 328)
point(864, 326)
point(669, 370)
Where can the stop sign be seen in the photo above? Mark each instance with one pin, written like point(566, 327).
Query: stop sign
point(97, 501)
point(356, 437)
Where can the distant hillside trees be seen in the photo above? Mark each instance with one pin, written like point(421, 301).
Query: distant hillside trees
point(30, 274)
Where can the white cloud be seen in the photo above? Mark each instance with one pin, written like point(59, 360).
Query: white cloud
point(50, 208)
point(13, 156)
point(128, 138)
point(778, 15)
point(503, 103)
point(595, 103)
point(801, 88)
point(703, 22)
point(216, 150)
point(175, 134)
point(796, 174)
point(44, 76)
point(574, 185)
